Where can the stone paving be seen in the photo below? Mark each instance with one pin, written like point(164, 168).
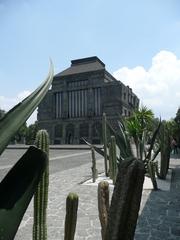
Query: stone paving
point(159, 215)
point(160, 218)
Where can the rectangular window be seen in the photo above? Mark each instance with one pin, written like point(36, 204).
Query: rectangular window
point(77, 103)
point(58, 104)
point(97, 101)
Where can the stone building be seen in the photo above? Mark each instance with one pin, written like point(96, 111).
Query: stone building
point(73, 107)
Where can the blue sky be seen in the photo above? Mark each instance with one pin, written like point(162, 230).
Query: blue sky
point(137, 40)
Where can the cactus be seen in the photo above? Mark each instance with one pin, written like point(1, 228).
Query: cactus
point(152, 172)
point(165, 151)
point(71, 216)
point(41, 195)
point(94, 170)
point(104, 132)
point(113, 160)
point(125, 203)
point(103, 205)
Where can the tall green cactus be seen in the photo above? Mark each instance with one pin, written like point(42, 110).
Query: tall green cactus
point(94, 170)
point(103, 205)
point(71, 216)
point(125, 203)
point(152, 172)
point(113, 160)
point(104, 132)
point(41, 195)
point(165, 150)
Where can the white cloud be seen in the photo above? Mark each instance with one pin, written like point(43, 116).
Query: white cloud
point(158, 87)
point(6, 103)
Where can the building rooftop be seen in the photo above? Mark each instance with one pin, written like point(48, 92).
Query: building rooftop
point(83, 65)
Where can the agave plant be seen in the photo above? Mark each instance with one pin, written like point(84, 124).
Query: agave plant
point(19, 185)
point(123, 143)
point(18, 115)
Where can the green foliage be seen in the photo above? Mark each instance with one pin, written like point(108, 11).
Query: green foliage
point(174, 126)
point(145, 117)
point(17, 189)
point(18, 115)
point(41, 194)
point(21, 134)
point(138, 127)
point(71, 216)
point(177, 118)
point(103, 205)
point(31, 133)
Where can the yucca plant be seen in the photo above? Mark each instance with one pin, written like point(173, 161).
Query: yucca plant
point(18, 186)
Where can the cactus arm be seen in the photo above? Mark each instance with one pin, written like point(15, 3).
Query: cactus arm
point(125, 203)
point(41, 195)
point(71, 216)
point(94, 170)
point(103, 205)
point(152, 172)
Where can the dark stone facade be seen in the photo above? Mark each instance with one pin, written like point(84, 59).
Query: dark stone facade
point(73, 107)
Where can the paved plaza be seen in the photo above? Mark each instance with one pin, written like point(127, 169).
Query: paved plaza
point(159, 214)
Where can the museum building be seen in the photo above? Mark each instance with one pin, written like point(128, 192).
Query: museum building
point(79, 96)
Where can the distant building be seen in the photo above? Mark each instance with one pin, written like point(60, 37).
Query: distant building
point(73, 107)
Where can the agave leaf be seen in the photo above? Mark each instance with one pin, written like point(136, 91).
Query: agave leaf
point(124, 144)
point(97, 149)
point(14, 119)
point(156, 153)
point(17, 189)
point(142, 145)
point(119, 139)
point(153, 141)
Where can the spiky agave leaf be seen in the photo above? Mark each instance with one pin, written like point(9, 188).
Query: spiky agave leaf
point(153, 141)
point(14, 119)
point(17, 189)
point(123, 141)
point(97, 149)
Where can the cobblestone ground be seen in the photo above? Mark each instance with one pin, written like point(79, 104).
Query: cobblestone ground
point(160, 218)
point(159, 214)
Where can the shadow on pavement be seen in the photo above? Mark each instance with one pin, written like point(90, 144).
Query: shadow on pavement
point(160, 218)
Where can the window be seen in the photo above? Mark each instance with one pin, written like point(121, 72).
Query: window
point(58, 104)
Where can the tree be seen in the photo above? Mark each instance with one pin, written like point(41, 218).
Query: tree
point(21, 134)
point(177, 118)
point(139, 125)
point(31, 133)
